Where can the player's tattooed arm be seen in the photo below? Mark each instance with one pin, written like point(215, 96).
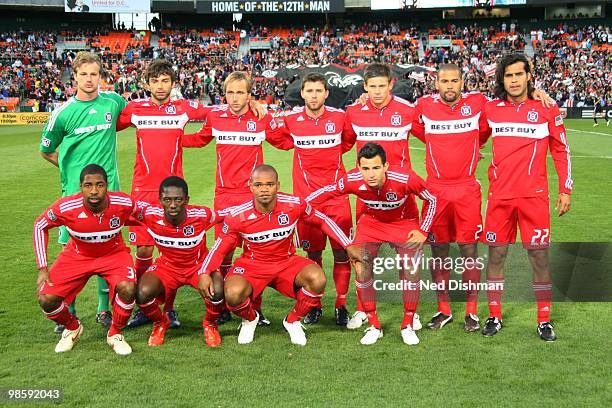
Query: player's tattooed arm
point(51, 157)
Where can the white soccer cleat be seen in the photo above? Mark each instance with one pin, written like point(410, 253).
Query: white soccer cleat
point(409, 336)
point(119, 345)
point(296, 332)
point(416, 322)
point(357, 320)
point(247, 330)
point(69, 338)
point(371, 336)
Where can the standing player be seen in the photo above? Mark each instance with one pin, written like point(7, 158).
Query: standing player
point(239, 135)
point(452, 125)
point(384, 119)
point(522, 131)
point(315, 133)
point(387, 217)
point(84, 130)
point(160, 123)
point(93, 218)
point(266, 224)
point(178, 230)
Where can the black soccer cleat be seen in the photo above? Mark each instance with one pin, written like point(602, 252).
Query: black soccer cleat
point(342, 316)
point(471, 323)
point(546, 332)
point(492, 326)
point(138, 320)
point(104, 318)
point(263, 321)
point(439, 320)
point(224, 317)
point(313, 316)
point(175, 323)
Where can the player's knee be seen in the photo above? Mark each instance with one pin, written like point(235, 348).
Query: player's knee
point(234, 294)
point(469, 250)
point(144, 294)
point(126, 291)
point(497, 255)
point(49, 303)
point(315, 280)
point(144, 251)
point(340, 255)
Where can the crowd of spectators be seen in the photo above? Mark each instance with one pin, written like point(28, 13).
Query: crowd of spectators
point(573, 64)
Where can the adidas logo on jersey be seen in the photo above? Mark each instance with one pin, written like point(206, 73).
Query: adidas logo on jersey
point(92, 111)
point(82, 215)
point(300, 119)
point(362, 187)
point(160, 222)
point(252, 217)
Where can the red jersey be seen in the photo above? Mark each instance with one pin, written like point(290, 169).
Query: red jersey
point(268, 237)
point(522, 134)
point(91, 235)
point(392, 202)
point(159, 138)
point(182, 246)
point(452, 136)
point(318, 148)
point(388, 126)
point(239, 145)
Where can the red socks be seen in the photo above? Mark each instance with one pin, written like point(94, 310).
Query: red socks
point(121, 314)
point(494, 294)
point(213, 310)
point(366, 295)
point(152, 311)
point(472, 277)
point(306, 301)
point(62, 316)
point(342, 278)
point(543, 295)
point(244, 310)
point(141, 265)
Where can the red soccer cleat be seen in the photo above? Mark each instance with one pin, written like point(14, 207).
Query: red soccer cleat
point(159, 332)
point(212, 336)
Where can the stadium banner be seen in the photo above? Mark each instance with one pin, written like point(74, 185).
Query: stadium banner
point(24, 118)
point(408, 4)
point(346, 84)
point(586, 113)
point(107, 6)
point(270, 6)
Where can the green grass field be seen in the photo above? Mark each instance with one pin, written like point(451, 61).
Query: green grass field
point(448, 368)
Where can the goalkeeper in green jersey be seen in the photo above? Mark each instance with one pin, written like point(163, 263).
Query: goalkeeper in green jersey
point(81, 132)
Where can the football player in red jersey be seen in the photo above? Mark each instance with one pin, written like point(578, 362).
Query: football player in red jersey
point(239, 136)
point(387, 217)
point(315, 132)
point(266, 226)
point(179, 232)
point(160, 138)
point(93, 218)
point(522, 131)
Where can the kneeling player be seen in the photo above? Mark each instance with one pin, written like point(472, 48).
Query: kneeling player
point(94, 219)
point(388, 216)
point(266, 225)
point(178, 230)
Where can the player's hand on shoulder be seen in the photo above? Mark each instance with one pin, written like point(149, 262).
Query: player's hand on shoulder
point(540, 95)
point(258, 109)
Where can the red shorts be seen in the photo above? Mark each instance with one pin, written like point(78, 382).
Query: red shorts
point(174, 278)
point(139, 236)
point(278, 275)
point(458, 216)
point(71, 271)
point(225, 200)
point(312, 239)
point(370, 230)
point(532, 214)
